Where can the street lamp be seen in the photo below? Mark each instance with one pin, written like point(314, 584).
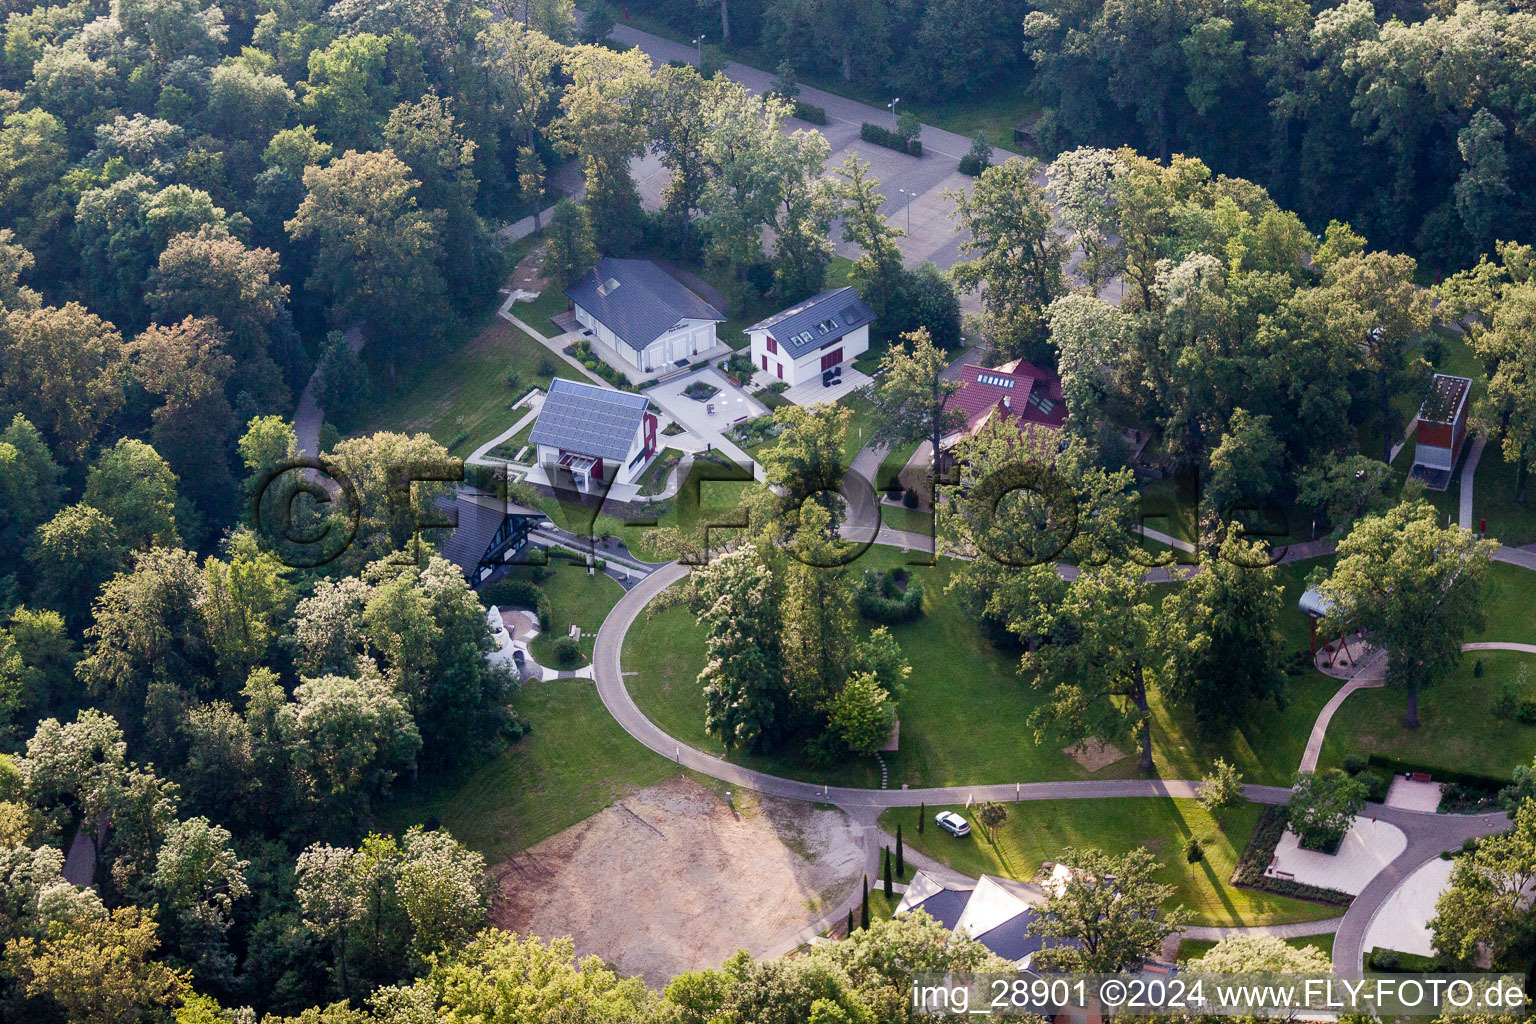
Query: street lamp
point(891, 106)
point(699, 42)
point(910, 197)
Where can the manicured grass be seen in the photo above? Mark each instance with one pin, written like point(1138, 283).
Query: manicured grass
point(574, 762)
point(1040, 830)
point(540, 312)
point(462, 398)
point(965, 713)
point(1190, 949)
point(1457, 726)
point(962, 718)
point(574, 599)
point(908, 520)
point(655, 476)
point(1508, 610)
point(1493, 498)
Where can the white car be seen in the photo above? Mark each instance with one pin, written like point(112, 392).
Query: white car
point(952, 823)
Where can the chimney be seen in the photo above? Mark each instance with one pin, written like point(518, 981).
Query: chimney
point(1008, 402)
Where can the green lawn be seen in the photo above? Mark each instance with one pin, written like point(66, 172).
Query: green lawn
point(655, 476)
point(908, 520)
point(539, 313)
point(1190, 949)
point(462, 399)
point(1457, 726)
point(574, 762)
point(1039, 830)
point(574, 598)
point(964, 716)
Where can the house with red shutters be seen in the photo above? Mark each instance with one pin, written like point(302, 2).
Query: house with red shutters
point(593, 437)
point(1441, 430)
point(1018, 392)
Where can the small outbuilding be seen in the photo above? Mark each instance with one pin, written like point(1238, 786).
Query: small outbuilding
point(1441, 430)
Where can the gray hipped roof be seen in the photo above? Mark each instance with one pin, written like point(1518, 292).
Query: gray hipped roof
point(809, 325)
point(637, 300)
point(588, 419)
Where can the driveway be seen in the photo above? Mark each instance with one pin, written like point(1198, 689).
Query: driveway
point(730, 405)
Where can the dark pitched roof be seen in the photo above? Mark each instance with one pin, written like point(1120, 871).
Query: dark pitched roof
point(588, 419)
point(1020, 390)
point(808, 325)
point(944, 906)
point(480, 517)
point(1011, 939)
point(637, 300)
point(1445, 400)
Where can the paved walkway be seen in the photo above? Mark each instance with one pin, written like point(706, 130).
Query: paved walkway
point(555, 345)
point(308, 417)
point(1468, 472)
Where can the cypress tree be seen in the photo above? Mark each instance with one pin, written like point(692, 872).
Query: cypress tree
point(901, 861)
point(850, 920)
point(888, 892)
point(922, 812)
point(864, 907)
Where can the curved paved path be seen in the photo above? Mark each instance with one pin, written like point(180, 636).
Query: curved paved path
point(1428, 834)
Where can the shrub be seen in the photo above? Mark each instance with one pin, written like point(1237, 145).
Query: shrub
point(1194, 853)
point(889, 139)
point(513, 379)
point(875, 605)
point(1477, 669)
point(1355, 763)
point(909, 498)
point(970, 165)
point(1506, 703)
point(567, 651)
point(810, 112)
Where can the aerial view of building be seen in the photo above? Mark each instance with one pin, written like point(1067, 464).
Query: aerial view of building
point(763, 511)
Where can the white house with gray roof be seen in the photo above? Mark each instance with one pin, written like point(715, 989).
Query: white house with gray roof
point(799, 344)
point(642, 321)
point(596, 435)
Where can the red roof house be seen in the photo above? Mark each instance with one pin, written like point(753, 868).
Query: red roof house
point(1017, 391)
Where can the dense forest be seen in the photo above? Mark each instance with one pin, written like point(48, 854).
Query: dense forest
point(1411, 121)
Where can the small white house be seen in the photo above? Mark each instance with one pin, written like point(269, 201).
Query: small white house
point(804, 341)
point(643, 322)
point(599, 436)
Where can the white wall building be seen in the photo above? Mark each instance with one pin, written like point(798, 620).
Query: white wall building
point(642, 321)
point(599, 436)
point(798, 344)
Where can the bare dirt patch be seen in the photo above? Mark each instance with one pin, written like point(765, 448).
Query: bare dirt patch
point(526, 275)
point(1094, 754)
point(671, 879)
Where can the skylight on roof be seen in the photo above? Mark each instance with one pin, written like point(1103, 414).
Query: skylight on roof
point(608, 287)
point(994, 380)
point(826, 326)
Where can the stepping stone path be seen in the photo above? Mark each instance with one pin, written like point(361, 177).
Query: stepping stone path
point(885, 773)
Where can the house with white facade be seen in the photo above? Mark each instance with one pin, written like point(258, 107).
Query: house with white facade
point(641, 321)
point(817, 336)
point(593, 437)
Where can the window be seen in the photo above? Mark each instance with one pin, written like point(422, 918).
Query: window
point(826, 326)
point(773, 347)
point(994, 380)
point(608, 287)
point(1040, 402)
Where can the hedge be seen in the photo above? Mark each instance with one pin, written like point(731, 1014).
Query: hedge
point(810, 112)
point(1398, 766)
point(889, 139)
point(518, 594)
point(1249, 873)
point(891, 611)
